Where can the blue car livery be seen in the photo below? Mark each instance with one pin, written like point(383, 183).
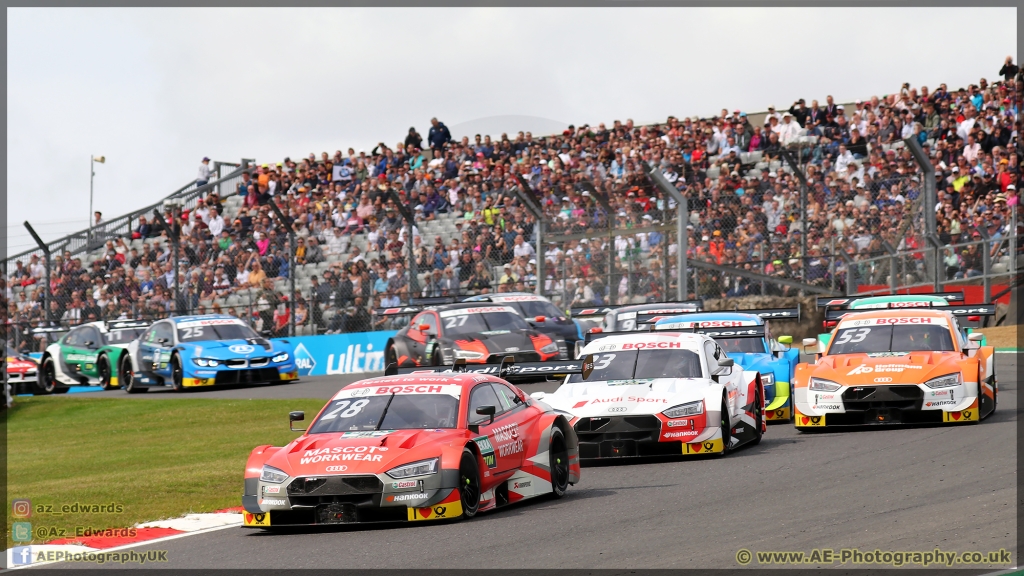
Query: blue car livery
point(209, 350)
point(747, 339)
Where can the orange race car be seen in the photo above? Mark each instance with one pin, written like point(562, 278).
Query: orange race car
point(895, 367)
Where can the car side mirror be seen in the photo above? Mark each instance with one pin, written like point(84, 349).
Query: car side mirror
point(423, 327)
point(89, 344)
point(538, 395)
point(486, 411)
point(786, 340)
point(162, 341)
point(724, 367)
point(540, 319)
point(296, 416)
point(975, 337)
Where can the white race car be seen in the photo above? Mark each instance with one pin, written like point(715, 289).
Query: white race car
point(659, 393)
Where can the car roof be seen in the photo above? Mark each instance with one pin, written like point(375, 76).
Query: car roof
point(506, 296)
point(706, 316)
point(896, 313)
point(465, 380)
point(461, 305)
point(179, 319)
point(687, 340)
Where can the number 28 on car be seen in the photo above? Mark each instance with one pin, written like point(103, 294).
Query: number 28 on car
point(896, 367)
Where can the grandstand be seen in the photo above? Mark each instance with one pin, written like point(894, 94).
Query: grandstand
point(818, 198)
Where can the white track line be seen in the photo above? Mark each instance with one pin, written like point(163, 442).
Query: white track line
point(140, 543)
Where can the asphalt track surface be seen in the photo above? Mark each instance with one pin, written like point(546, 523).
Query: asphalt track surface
point(952, 487)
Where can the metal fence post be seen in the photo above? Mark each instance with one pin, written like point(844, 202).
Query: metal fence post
point(46, 268)
point(986, 263)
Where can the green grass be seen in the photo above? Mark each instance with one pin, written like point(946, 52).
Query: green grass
point(157, 458)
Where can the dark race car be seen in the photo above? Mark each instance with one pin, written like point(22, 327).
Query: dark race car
point(632, 316)
point(477, 332)
point(540, 313)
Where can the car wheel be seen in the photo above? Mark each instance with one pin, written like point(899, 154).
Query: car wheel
point(559, 463)
point(758, 418)
point(177, 374)
point(48, 378)
point(104, 372)
point(726, 427)
point(435, 356)
point(390, 356)
point(469, 484)
point(126, 375)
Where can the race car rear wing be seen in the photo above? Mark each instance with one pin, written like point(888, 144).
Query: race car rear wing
point(763, 313)
point(960, 310)
point(840, 302)
point(593, 310)
point(692, 305)
point(508, 369)
point(591, 336)
point(715, 331)
point(398, 310)
point(50, 329)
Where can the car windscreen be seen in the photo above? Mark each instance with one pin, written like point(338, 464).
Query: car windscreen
point(403, 412)
point(742, 345)
point(483, 322)
point(534, 308)
point(900, 338)
point(123, 336)
point(216, 332)
point(631, 364)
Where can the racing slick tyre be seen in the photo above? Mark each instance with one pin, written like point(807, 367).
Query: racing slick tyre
point(177, 374)
point(726, 428)
point(435, 356)
point(469, 484)
point(48, 378)
point(104, 372)
point(127, 377)
point(559, 463)
point(758, 418)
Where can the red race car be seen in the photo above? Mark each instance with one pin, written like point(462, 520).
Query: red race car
point(427, 444)
point(22, 372)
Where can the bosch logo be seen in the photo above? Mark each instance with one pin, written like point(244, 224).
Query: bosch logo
point(242, 348)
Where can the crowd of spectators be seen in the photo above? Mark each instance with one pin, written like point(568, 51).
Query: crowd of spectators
point(745, 210)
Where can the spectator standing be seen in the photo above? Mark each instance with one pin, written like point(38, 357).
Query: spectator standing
point(205, 172)
point(439, 136)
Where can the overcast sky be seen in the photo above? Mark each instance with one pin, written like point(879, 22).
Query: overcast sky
point(155, 90)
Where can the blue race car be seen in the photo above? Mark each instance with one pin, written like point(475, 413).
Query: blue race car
point(747, 339)
point(211, 350)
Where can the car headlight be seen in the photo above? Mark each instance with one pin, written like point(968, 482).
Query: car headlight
point(283, 356)
point(206, 362)
point(468, 354)
point(421, 468)
point(820, 385)
point(767, 378)
point(688, 409)
point(550, 348)
point(272, 475)
point(945, 381)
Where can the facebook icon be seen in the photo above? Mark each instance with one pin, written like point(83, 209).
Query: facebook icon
point(21, 555)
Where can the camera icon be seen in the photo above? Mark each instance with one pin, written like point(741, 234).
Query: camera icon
point(21, 508)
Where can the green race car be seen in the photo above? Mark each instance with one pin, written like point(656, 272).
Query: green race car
point(88, 355)
point(836, 307)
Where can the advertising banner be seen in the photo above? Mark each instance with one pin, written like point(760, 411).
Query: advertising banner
point(340, 353)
